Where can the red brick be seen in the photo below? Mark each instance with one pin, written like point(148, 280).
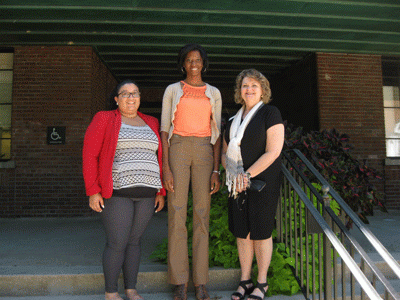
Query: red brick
point(52, 86)
point(350, 87)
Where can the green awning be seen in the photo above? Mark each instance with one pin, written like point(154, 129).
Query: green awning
point(140, 39)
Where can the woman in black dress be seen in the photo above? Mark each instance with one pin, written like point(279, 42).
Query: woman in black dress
point(251, 151)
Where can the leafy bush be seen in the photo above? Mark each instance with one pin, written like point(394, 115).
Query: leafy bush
point(330, 152)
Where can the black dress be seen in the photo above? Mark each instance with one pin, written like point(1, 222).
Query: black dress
point(258, 214)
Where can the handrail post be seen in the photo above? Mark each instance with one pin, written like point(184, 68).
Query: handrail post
point(327, 248)
point(278, 218)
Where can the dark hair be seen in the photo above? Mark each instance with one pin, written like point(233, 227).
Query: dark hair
point(184, 52)
point(111, 104)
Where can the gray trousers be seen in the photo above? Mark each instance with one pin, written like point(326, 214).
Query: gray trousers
point(124, 221)
point(191, 160)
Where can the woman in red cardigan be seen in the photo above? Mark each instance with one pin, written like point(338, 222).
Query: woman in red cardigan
point(122, 172)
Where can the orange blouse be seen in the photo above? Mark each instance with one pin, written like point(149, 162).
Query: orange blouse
point(193, 113)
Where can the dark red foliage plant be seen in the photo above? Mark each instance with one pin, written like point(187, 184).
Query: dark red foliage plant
point(330, 153)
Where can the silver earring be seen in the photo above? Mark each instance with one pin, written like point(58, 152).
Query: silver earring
point(117, 103)
point(183, 71)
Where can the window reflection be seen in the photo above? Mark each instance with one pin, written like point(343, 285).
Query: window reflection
point(6, 75)
point(392, 120)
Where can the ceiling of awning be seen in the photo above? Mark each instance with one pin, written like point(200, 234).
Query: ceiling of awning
point(140, 39)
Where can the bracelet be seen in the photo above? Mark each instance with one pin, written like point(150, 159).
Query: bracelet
point(219, 173)
point(248, 175)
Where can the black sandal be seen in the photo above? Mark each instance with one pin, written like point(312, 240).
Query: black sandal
point(247, 291)
point(261, 287)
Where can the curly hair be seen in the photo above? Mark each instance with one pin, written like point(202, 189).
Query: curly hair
point(256, 75)
point(183, 52)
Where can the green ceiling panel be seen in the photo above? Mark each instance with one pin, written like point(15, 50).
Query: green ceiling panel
point(141, 38)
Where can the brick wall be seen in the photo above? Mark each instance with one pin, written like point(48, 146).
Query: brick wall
point(52, 86)
point(7, 189)
point(351, 100)
point(392, 186)
point(102, 83)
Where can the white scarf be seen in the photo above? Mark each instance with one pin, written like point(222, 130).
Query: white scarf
point(234, 162)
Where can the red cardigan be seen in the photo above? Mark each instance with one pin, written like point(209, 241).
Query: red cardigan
point(99, 148)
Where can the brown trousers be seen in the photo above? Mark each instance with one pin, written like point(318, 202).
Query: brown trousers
point(191, 160)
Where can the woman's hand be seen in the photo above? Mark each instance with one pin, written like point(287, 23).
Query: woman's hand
point(242, 183)
point(168, 180)
point(246, 181)
point(96, 202)
point(159, 203)
point(215, 183)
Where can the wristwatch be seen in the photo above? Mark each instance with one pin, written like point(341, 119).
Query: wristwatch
point(219, 173)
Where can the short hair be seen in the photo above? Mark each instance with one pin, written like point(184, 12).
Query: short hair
point(184, 52)
point(252, 73)
point(111, 104)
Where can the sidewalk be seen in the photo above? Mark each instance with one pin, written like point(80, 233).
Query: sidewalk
point(61, 258)
point(65, 245)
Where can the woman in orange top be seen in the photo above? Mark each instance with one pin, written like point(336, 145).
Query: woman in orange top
point(190, 135)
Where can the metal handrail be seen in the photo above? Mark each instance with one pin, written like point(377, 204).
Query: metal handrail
point(343, 228)
point(392, 263)
point(354, 269)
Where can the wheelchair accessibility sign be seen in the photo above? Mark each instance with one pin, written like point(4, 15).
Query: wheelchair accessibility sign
point(55, 135)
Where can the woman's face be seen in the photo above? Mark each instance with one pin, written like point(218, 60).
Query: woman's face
point(251, 91)
point(193, 63)
point(128, 99)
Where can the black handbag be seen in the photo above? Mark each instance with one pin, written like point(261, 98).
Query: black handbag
point(257, 185)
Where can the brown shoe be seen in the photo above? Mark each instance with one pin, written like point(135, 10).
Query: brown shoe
point(201, 292)
point(180, 292)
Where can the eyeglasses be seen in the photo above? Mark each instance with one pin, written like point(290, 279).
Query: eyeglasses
point(127, 95)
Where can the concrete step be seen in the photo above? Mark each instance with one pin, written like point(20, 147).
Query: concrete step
point(93, 283)
point(379, 287)
point(152, 284)
point(214, 295)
